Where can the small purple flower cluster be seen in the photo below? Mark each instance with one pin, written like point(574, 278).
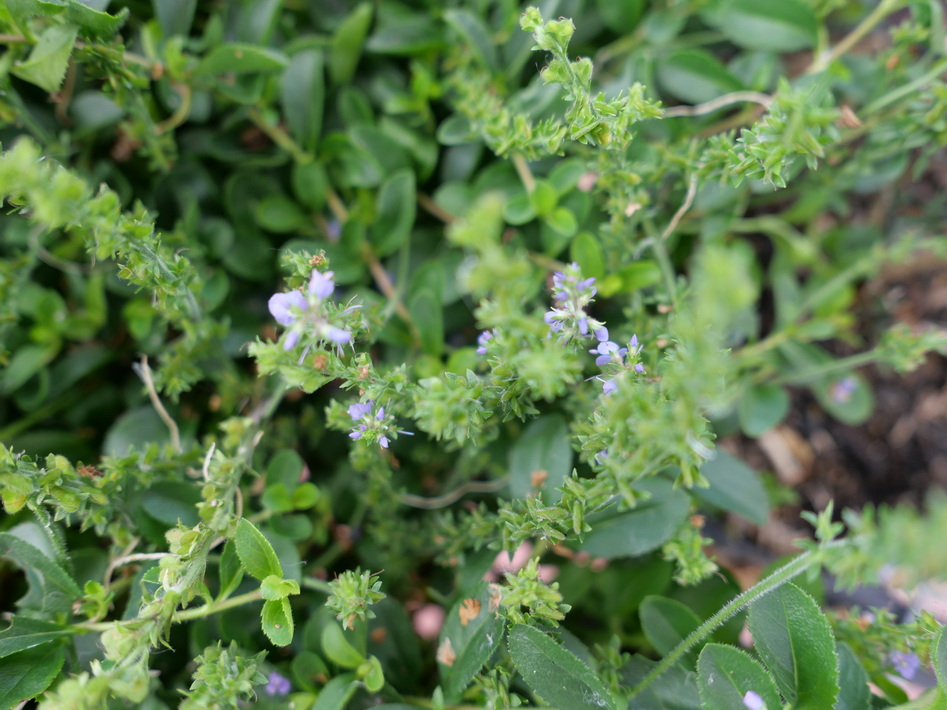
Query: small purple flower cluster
point(371, 422)
point(612, 359)
point(843, 389)
point(482, 340)
point(572, 294)
point(906, 664)
point(303, 314)
point(277, 685)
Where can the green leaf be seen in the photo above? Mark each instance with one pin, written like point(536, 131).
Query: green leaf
point(277, 621)
point(396, 211)
point(28, 673)
point(408, 37)
point(26, 362)
point(136, 428)
point(725, 674)
point(51, 588)
point(274, 588)
point(734, 486)
point(633, 277)
point(277, 498)
point(587, 253)
point(455, 130)
point(620, 17)
point(336, 693)
point(543, 198)
point(666, 623)
point(541, 458)
point(230, 571)
point(374, 675)
point(761, 408)
point(849, 399)
point(307, 669)
point(92, 22)
point(255, 551)
point(238, 58)
point(172, 503)
point(695, 76)
point(562, 221)
point(306, 496)
point(347, 43)
point(397, 645)
point(519, 210)
point(285, 467)
point(853, 681)
point(338, 649)
point(427, 313)
point(175, 16)
point(554, 674)
point(310, 184)
point(25, 633)
point(302, 96)
point(767, 25)
point(675, 689)
point(635, 532)
point(48, 61)
point(793, 639)
point(939, 658)
point(470, 635)
point(475, 34)
point(382, 148)
point(279, 214)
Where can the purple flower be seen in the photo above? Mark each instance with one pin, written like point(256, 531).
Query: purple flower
point(482, 340)
point(906, 664)
point(321, 284)
point(277, 685)
point(282, 306)
point(572, 295)
point(609, 386)
point(361, 409)
point(338, 336)
point(370, 421)
point(292, 338)
point(753, 701)
point(601, 456)
point(843, 390)
point(607, 352)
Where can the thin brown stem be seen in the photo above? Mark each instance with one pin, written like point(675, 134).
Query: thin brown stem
point(383, 281)
point(144, 372)
point(433, 208)
point(735, 97)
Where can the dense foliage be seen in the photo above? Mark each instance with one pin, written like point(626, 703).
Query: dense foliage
point(309, 310)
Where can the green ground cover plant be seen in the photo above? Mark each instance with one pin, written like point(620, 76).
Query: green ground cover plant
point(308, 310)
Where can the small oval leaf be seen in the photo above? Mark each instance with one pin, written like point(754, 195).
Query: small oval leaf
point(554, 674)
point(725, 675)
point(255, 551)
point(795, 642)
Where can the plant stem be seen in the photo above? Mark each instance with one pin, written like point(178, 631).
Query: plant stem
point(279, 136)
point(791, 569)
point(903, 91)
point(884, 8)
point(217, 607)
point(317, 585)
point(526, 175)
point(391, 293)
point(735, 97)
point(826, 368)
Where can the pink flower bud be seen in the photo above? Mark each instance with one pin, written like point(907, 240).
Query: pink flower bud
point(428, 621)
